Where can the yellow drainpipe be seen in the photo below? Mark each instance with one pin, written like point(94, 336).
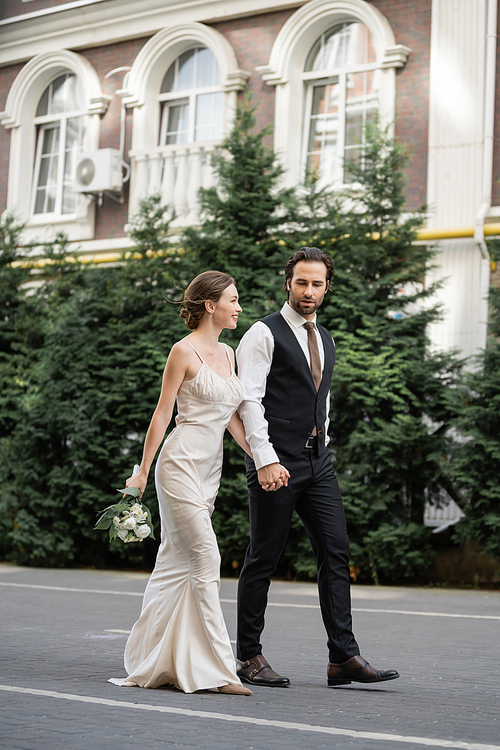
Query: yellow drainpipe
point(456, 232)
point(427, 235)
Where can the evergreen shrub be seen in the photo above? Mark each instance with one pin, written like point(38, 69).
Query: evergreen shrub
point(476, 465)
point(82, 357)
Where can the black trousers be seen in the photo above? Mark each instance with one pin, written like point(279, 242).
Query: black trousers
point(312, 491)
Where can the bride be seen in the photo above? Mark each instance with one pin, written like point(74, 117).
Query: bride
point(180, 637)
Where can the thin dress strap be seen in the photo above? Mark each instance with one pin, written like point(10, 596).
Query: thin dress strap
point(196, 352)
point(227, 348)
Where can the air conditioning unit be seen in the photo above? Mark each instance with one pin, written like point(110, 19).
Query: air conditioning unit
point(99, 171)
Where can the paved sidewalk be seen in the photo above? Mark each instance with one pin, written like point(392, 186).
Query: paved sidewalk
point(63, 634)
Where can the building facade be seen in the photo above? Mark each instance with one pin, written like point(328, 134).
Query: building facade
point(105, 101)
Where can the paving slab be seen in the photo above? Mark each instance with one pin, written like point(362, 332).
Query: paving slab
point(64, 631)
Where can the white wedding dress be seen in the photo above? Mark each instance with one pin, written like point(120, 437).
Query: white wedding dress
point(180, 637)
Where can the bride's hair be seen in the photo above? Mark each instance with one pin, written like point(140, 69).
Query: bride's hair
point(204, 287)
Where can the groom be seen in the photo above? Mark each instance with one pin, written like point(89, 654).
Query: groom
point(285, 363)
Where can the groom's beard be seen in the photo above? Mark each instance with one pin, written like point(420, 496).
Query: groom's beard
point(295, 304)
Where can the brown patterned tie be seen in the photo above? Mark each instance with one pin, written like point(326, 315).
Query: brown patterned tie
point(312, 343)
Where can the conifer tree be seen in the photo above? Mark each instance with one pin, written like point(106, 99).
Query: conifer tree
point(14, 323)
point(105, 335)
point(243, 233)
point(102, 335)
point(391, 410)
point(477, 463)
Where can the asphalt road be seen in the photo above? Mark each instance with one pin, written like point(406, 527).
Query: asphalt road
point(63, 634)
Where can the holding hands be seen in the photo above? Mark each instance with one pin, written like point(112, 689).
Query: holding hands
point(273, 476)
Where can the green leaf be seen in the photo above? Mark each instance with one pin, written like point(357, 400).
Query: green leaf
point(109, 513)
point(133, 491)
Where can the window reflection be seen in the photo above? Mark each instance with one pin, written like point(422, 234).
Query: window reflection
point(191, 101)
point(60, 134)
point(341, 100)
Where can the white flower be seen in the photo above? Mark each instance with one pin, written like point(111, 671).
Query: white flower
point(142, 531)
point(129, 523)
point(122, 534)
point(137, 512)
point(116, 522)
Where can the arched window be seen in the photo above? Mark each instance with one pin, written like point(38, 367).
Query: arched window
point(182, 88)
point(53, 111)
point(60, 131)
point(191, 99)
point(334, 66)
point(342, 81)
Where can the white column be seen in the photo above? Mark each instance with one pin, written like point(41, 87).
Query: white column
point(156, 163)
point(168, 181)
point(454, 182)
point(209, 174)
point(456, 106)
point(180, 197)
point(459, 263)
point(194, 184)
point(139, 181)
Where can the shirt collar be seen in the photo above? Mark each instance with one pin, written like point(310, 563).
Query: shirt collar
point(293, 318)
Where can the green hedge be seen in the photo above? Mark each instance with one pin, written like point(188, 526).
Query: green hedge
point(81, 357)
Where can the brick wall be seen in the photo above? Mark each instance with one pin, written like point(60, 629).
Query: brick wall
point(252, 40)
point(411, 23)
point(10, 8)
point(7, 76)
point(112, 216)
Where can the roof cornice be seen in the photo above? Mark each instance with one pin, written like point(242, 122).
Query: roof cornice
point(79, 24)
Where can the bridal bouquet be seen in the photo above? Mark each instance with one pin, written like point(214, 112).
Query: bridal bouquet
point(129, 520)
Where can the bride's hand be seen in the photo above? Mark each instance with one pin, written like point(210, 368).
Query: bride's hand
point(273, 477)
point(138, 480)
point(284, 476)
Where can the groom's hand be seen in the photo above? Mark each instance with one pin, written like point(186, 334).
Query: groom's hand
point(272, 477)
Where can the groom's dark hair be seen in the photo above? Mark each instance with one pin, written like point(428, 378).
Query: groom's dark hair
point(309, 254)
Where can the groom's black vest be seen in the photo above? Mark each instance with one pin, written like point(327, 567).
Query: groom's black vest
point(292, 405)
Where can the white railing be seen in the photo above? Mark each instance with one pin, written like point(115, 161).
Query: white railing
point(440, 518)
point(176, 172)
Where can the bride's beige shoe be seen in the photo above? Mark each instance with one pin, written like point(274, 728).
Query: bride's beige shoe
point(234, 690)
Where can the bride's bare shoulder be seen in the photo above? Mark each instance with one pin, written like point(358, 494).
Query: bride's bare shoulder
point(182, 353)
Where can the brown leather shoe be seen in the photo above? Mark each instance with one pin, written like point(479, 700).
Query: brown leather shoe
point(256, 671)
point(357, 669)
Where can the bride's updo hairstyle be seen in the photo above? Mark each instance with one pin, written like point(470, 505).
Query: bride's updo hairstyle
point(204, 287)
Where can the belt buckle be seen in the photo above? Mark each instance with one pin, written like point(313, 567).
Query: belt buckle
point(310, 441)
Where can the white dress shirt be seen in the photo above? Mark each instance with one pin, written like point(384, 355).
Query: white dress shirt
point(254, 356)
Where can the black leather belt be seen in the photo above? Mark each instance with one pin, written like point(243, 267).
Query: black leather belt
point(312, 441)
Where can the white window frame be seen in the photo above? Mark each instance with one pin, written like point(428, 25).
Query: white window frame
point(191, 99)
point(43, 123)
point(340, 76)
point(141, 92)
point(286, 67)
point(20, 118)
point(308, 98)
point(189, 96)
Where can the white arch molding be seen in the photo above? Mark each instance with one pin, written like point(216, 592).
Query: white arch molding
point(142, 87)
point(288, 58)
point(20, 109)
